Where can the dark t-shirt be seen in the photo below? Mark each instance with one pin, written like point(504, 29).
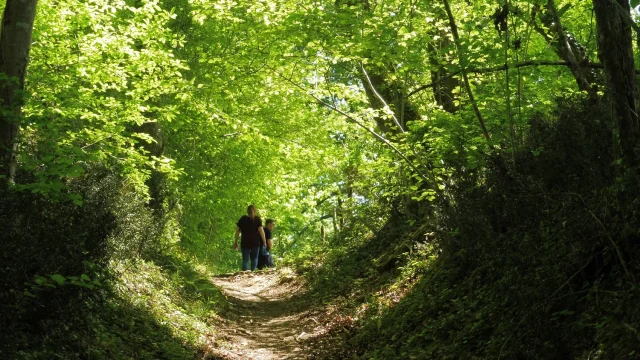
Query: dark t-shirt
point(249, 231)
point(267, 234)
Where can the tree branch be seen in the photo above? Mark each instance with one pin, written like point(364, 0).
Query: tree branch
point(386, 106)
point(357, 122)
point(465, 77)
point(323, 217)
point(485, 70)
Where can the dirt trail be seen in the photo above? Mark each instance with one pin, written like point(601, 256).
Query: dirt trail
point(266, 321)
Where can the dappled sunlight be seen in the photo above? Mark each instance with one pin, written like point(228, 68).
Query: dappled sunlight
point(185, 303)
point(267, 318)
point(446, 180)
point(134, 328)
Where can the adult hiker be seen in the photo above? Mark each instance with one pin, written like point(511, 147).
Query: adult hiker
point(265, 259)
point(250, 226)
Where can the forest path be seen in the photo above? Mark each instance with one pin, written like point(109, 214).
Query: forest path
point(267, 320)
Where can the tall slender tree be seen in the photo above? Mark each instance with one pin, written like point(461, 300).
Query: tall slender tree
point(15, 43)
point(615, 50)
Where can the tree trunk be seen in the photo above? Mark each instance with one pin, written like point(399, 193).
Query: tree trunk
point(340, 214)
point(444, 84)
point(375, 81)
point(615, 50)
point(15, 43)
point(566, 46)
point(157, 180)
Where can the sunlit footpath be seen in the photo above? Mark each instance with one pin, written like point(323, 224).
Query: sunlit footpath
point(345, 179)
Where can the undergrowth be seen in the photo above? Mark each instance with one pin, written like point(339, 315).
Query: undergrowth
point(536, 258)
point(157, 311)
point(107, 280)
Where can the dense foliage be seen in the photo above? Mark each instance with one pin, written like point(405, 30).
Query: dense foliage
point(522, 265)
point(459, 178)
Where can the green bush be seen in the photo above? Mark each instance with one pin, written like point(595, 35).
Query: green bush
point(54, 255)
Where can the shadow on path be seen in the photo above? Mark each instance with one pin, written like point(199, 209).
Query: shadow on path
point(267, 318)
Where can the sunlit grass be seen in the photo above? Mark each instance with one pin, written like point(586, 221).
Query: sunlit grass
point(172, 304)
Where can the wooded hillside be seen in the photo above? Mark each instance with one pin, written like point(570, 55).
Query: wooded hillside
point(449, 180)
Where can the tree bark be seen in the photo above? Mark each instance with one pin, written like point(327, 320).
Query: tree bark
point(444, 83)
point(156, 181)
point(15, 43)
point(566, 46)
point(375, 81)
point(615, 50)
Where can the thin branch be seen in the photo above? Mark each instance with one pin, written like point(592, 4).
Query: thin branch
point(299, 233)
point(323, 217)
point(386, 106)
point(94, 143)
point(395, 118)
point(606, 233)
point(356, 121)
point(610, 238)
point(568, 281)
point(465, 77)
point(484, 70)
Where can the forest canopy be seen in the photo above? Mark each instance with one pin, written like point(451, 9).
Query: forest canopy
point(138, 132)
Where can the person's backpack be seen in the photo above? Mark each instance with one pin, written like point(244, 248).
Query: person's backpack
point(263, 258)
point(270, 262)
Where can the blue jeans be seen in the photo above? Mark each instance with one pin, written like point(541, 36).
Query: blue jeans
point(250, 253)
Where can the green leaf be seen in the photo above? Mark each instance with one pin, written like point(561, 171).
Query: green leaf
point(58, 278)
point(76, 198)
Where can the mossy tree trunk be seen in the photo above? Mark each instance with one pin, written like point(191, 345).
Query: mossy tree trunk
point(444, 85)
point(615, 50)
point(15, 43)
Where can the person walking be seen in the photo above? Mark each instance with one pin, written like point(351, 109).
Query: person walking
point(250, 227)
point(265, 259)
